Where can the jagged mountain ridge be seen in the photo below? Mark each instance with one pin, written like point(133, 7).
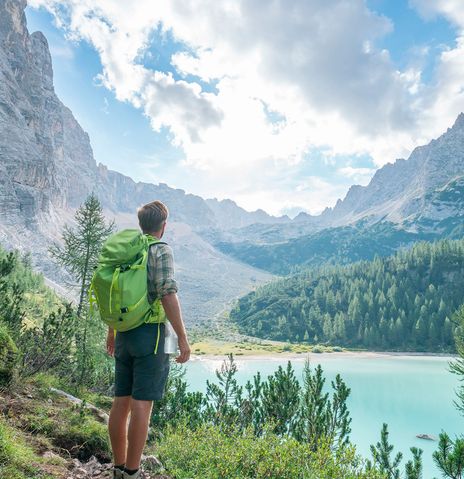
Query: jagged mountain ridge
point(46, 158)
point(47, 169)
point(405, 193)
point(399, 192)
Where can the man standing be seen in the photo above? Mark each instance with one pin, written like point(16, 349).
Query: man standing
point(141, 374)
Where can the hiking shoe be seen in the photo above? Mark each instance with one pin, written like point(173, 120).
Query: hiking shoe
point(117, 473)
point(137, 475)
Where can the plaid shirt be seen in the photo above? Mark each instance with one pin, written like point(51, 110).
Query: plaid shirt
point(160, 269)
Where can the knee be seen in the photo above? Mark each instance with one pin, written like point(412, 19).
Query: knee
point(121, 405)
point(138, 406)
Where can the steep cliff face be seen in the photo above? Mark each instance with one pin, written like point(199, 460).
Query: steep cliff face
point(401, 192)
point(42, 147)
point(47, 169)
point(47, 161)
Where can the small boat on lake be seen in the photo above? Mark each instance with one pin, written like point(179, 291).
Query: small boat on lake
point(426, 437)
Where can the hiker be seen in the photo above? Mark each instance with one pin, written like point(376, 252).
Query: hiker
point(141, 365)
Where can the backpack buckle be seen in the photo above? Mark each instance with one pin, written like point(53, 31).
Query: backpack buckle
point(125, 310)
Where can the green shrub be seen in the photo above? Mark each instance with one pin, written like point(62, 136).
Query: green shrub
point(8, 357)
point(208, 453)
point(317, 349)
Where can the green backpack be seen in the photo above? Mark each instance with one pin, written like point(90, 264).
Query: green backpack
point(119, 283)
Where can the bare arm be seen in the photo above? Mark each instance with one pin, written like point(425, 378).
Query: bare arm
point(110, 341)
point(172, 309)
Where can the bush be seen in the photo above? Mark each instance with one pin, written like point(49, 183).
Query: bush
point(8, 357)
point(208, 453)
point(317, 349)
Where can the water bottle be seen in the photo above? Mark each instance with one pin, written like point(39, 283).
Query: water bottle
point(170, 339)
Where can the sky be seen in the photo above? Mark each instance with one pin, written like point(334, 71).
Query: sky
point(279, 104)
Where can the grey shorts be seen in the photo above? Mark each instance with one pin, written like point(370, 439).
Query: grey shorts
point(139, 372)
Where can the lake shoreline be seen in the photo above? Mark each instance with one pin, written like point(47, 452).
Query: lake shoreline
point(325, 355)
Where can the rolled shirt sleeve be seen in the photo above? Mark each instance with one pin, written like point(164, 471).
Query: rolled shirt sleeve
point(160, 268)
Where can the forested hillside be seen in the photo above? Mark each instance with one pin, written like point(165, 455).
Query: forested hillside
point(402, 302)
point(340, 245)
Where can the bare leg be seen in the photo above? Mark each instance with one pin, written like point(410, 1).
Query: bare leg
point(138, 430)
point(117, 426)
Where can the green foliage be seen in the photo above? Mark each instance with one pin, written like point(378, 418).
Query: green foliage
point(11, 293)
point(178, 406)
point(8, 357)
point(413, 467)
point(404, 302)
point(278, 404)
point(79, 256)
point(280, 399)
point(450, 456)
point(48, 347)
point(210, 453)
point(457, 366)
point(381, 455)
point(223, 399)
point(318, 416)
point(44, 341)
point(382, 459)
point(82, 245)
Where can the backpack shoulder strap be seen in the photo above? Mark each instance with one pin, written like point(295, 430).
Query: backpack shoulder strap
point(151, 243)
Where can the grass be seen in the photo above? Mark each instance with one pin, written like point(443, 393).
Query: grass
point(18, 460)
point(254, 347)
point(55, 423)
point(221, 337)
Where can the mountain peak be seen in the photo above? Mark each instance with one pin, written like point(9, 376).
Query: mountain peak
point(459, 123)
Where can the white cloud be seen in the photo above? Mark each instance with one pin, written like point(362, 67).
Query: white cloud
point(313, 62)
point(444, 99)
point(360, 176)
point(62, 51)
point(452, 9)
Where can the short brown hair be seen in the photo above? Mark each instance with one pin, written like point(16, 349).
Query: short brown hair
point(152, 216)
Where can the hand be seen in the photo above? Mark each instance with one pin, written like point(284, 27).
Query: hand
point(184, 349)
point(110, 343)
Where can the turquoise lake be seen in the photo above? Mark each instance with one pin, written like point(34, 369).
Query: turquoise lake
point(412, 394)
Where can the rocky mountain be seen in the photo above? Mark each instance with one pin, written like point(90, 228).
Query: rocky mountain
point(416, 194)
point(44, 150)
point(401, 192)
point(421, 198)
point(47, 168)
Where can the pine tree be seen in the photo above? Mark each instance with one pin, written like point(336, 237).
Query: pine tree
point(79, 255)
point(381, 455)
point(82, 245)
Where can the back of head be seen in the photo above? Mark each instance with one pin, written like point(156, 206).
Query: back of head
point(152, 216)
